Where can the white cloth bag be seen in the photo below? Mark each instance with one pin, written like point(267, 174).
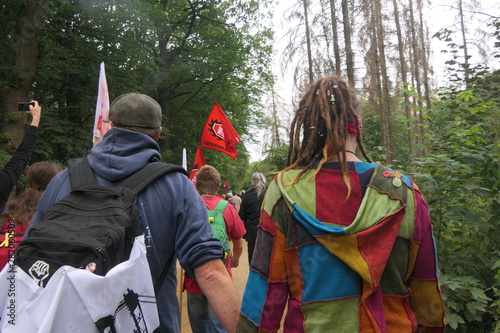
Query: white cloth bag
point(75, 299)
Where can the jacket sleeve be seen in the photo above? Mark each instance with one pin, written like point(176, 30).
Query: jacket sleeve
point(267, 290)
point(426, 299)
point(16, 165)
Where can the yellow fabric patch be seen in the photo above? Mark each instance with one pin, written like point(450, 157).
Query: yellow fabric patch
point(426, 301)
point(346, 249)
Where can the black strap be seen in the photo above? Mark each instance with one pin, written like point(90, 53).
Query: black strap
point(144, 177)
point(163, 275)
point(80, 173)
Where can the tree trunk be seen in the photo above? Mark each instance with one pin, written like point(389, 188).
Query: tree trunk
point(464, 44)
point(404, 77)
point(336, 47)
point(275, 140)
point(348, 46)
point(386, 98)
point(425, 63)
point(416, 70)
point(26, 63)
point(308, 41)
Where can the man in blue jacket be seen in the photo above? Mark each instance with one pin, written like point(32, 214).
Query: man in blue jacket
point(172, 208)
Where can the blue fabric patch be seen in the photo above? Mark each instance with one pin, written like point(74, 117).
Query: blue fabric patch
point(313, 225)
point(325, 276)
point(362, 167)
point(254, 297)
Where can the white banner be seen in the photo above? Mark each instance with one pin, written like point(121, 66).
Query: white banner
point(74, 300)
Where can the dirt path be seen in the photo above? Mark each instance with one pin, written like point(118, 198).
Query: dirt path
point(240, 276)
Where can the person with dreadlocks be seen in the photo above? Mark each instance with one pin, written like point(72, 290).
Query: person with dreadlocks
point(346, 245)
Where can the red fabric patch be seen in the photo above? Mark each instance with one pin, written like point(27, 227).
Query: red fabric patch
point(375, 243)
point(331, 192)
point(267, 223)
point(294, 321)
point(274, 306)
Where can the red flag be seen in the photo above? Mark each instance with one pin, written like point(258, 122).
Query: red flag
point(226, 186)
point(219, 134)
point(199, 161)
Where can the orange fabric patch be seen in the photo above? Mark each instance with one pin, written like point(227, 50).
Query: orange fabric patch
point(396, 318)
point(277, 271)
point(367, 323)
point(294, 276)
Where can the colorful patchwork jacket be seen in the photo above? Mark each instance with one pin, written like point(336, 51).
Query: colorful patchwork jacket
point(326, 264)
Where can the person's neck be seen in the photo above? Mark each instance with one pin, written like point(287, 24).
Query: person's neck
point(350, 155)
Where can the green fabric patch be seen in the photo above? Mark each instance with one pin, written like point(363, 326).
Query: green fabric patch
point(374, 207)
point(408, 224)
point(394, 275)
point(386, 184)
point(273, 194)
point(303, 191)
point(339, 316)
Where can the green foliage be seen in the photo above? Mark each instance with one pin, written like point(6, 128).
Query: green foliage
point(276, 157)
point(460, 181)
point(187, 55)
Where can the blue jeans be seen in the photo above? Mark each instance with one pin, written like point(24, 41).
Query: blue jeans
point(201, 316)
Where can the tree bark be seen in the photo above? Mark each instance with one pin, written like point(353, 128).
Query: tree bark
point(336, 47)
point(466, 64)
point(425, 63)
point(26, 63)
point(385, 98)
point(308, 42)
point(404, 76)
point(416, 70)
point(348, 45)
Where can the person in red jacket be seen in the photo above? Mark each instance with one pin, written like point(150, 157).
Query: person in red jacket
point(201, 316)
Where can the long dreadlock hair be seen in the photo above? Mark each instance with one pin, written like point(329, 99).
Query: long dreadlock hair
point(319, 129)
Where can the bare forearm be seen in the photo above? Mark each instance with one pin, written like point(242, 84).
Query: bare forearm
point(219, 289)
point(237, 251)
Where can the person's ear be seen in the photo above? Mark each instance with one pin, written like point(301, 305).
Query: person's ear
point(158, 136)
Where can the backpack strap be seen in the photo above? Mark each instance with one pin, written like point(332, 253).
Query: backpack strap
point(144, 177)
point(221, 206)
point(80, 173)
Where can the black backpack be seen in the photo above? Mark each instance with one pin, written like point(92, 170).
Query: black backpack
point(92, 228)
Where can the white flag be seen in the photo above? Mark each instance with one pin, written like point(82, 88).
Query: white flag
point(102, 108)
point(184, 159)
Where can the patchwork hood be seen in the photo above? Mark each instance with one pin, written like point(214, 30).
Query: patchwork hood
point(364, 244)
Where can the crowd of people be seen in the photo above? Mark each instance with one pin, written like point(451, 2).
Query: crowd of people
point(336, 242)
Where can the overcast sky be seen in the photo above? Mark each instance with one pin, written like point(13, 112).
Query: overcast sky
point(439, 15)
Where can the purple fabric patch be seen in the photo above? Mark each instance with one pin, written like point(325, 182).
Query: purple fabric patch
point(300, 235)
point(425, 265)
point(277, 294)
point(294, 322)
point(376, 306)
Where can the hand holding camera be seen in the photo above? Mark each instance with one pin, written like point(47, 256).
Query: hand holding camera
point(33, 108)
